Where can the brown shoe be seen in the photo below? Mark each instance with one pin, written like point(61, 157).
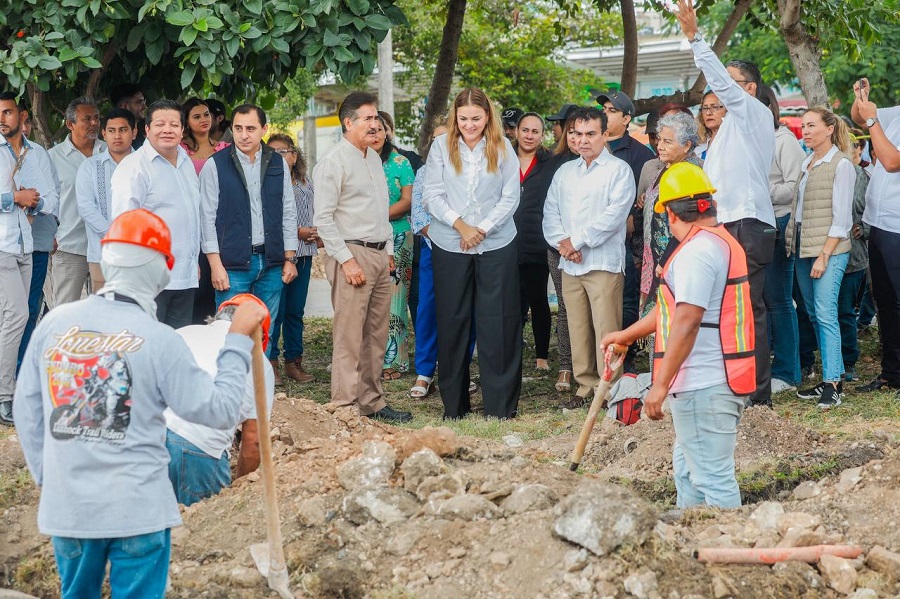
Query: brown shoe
point(276, 368)
point(294, 369)
point(575, 403)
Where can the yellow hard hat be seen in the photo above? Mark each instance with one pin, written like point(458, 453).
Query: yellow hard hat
point(682, 181)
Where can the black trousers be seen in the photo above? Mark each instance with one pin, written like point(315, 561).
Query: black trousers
point(533, 282)
point(487, 283)
point(175, 307)
point(884, 262)
point(205, 294)
point(758, 240)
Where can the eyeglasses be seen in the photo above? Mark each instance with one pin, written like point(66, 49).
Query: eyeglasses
point(711, 108)
point(285, 151)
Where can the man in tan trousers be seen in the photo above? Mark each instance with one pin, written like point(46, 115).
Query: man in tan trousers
point(351, 216)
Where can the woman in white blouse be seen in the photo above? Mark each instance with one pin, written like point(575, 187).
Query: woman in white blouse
point(819, 232)
point(472, 191)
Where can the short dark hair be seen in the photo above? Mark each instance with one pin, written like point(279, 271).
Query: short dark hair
point(118, 113)
point(164, 104)
point(748, 69)
point(352, 103)
point(5, 96)
point(591, 113)
point(249, 108)
point(686, 209)
point(122, 91)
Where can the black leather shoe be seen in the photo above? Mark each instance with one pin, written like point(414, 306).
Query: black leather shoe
point(6, 414)
point(388, 413)
point(876, 385)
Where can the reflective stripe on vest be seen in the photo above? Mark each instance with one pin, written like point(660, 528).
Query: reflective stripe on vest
point(736, 328)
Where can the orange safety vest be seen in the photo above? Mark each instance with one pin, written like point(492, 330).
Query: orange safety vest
point(736, 329)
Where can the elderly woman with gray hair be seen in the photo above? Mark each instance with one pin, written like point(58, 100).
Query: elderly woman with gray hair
point(677, 133)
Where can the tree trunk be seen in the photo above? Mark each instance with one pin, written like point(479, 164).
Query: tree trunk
point(695, 94)
point(630, 51)
point(93, 84)
point(439, 93)
point(804, 51)
point(40, 124)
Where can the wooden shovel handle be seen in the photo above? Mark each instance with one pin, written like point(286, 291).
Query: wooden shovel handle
point(612, 360)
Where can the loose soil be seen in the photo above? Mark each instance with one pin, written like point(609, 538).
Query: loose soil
point(507, 554)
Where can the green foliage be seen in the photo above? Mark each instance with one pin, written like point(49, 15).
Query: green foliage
point(238, 47)
point(292, 104)
point(860, 41)
point(513, 51)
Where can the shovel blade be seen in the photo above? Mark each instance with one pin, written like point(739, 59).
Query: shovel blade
point(277, 579)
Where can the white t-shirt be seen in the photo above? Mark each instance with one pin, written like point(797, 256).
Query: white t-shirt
point(205, 341)
point(697, 276)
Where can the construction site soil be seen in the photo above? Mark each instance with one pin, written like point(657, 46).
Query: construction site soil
point(371, 510)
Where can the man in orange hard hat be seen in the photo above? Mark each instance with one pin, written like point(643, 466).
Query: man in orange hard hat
point(88, 409)
point(703, 359)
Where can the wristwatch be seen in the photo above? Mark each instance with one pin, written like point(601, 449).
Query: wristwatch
point(871, 122)
point(697, 38)
point(293, 259)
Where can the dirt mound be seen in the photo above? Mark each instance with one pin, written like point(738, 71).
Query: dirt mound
point(370, 510)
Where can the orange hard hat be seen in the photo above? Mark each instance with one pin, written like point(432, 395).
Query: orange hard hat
point(239, 299)
point(143, 228)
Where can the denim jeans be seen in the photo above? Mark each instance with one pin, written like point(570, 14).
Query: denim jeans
point(39, 262)
point(706, 423)
point(851, 291)
point(777, 294)
point(262, 281)
point(139, 565)
point(195, 474)
point(821, 299)
point(290, 314)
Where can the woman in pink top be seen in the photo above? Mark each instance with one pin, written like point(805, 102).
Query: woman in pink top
point(197, 142)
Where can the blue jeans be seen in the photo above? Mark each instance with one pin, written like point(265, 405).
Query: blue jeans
point(821, 299)
point(426, 319)
point(777, 294)
point(290, 314)
point(35, 299)
point(195, 474)
point(851, 291)
point(262, 281)
point(706, 423)
point(139, 565)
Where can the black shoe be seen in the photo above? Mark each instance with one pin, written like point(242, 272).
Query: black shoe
point(813, 392)
point(831, 396)
point(876, 385)
point(387, 413)
point(6, 414)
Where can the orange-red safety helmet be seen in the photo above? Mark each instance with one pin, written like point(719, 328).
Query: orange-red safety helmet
point(239, 299)
point(143, 228)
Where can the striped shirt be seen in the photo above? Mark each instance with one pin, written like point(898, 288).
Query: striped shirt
point(35, 171)
point(303, 195)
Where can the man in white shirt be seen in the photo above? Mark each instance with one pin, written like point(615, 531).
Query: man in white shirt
point(28, 187)
point(199, 464)
point(584, 217)
point(160, 177)
point(92, 184)
point(883, 215)
point(351, 216)
point(69, 272)
point(738, 163)
point(248, 214)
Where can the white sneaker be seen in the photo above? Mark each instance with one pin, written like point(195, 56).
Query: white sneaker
point(779, 385)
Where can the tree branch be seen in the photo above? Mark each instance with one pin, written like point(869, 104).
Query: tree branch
point(39, 115)
point(93, 83)
point(630, 50)
point(442, 81)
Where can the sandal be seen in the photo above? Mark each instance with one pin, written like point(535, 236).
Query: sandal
point(423, 387)
point(564, 381)
point(390, 374)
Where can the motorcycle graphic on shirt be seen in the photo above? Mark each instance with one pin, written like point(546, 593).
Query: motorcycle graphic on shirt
point(90, 383)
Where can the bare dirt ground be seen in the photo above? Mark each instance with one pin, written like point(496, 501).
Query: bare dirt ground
point(370, 510)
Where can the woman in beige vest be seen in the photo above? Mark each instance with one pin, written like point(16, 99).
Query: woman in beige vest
point(819, 233)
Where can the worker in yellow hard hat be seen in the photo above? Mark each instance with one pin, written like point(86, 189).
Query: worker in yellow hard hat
point(703, 359)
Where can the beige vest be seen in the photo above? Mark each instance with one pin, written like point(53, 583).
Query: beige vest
point(817, 215)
